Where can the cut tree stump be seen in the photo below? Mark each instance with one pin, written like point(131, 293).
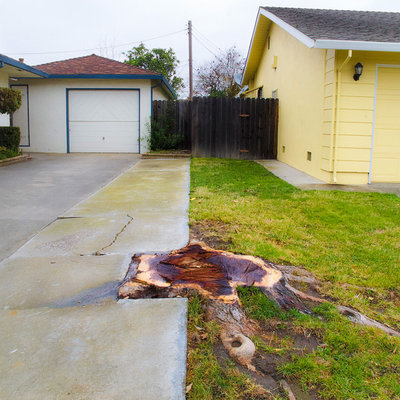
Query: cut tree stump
point(215, 275)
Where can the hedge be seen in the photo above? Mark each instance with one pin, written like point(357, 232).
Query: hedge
point(10, 137)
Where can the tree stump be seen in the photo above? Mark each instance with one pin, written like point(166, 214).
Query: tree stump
point(215, 275)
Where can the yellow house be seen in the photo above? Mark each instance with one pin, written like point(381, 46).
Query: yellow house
point(334, 124)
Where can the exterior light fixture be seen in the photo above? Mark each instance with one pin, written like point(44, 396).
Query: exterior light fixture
point(358, 71)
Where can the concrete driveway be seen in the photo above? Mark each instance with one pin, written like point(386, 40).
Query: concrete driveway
point(63, 334)
point(36, 192)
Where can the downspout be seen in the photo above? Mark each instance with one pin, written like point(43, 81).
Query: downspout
point(338, 96)
point(1, 64)
point(333, 125)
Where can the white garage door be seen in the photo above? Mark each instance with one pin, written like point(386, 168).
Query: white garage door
point(103, 121)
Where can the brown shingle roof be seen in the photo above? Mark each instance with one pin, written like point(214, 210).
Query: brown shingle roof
point(92, 64)
point(368, 26)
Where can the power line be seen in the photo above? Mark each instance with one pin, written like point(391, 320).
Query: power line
point(208, 40)
point(203, 44)
point(183, 65)
point(207, 48)
point(99, 47)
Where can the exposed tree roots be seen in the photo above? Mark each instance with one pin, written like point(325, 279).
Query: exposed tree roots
point(215, 275)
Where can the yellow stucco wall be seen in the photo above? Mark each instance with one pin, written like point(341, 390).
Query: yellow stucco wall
point(299, 79)
point(312, 117)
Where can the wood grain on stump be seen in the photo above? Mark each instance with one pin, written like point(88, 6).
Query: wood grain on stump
point(215, 275)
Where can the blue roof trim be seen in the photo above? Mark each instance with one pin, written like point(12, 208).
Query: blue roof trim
point(14, 63)
point(112, 76)
point(169, 87)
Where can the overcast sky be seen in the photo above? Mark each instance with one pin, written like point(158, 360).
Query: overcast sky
point(60, 29)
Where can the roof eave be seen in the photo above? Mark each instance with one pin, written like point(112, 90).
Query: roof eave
point(306, 40)
point(314, 43)
point(289, 28)
point(357, 45)
point(111, 76)
point(17, 64)
point(168, 87)
point(250, 47)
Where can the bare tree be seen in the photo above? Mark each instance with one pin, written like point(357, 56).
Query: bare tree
point(107, 48)
point(216, 78)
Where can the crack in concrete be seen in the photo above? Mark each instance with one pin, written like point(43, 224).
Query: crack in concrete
point(100, 252)
point(96, 295)
point(67, 217)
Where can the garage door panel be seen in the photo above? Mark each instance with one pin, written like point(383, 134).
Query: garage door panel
point(104, 105)
point(104, 137)
point(104, 121)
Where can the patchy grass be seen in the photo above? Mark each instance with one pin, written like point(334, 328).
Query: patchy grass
point(351, 362)
point(351, 241)
point(7, 153)
point(207, 379)
point(354, 363)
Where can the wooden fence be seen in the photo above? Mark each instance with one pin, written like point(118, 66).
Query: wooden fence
point(224, 127)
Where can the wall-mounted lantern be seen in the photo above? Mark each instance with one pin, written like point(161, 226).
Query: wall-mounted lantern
point(358, 69)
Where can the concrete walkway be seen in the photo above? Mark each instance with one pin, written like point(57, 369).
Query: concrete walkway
point(36, 192)
point(62, 333)
point(307, 182)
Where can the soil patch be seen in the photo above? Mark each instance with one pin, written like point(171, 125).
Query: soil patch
point(267, 364)
point(212, 233)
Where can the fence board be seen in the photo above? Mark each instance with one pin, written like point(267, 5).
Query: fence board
point(224, 127)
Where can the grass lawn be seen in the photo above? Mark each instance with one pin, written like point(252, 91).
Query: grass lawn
point(350, 241)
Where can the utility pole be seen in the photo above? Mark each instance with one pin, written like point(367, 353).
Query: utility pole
point(190, 61)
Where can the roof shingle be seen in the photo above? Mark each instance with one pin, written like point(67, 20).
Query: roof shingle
point(368, 26)
point(92, 64)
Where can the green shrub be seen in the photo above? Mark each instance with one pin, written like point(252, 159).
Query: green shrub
point(163, 135)
point(10, 100)
point(10, 137)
